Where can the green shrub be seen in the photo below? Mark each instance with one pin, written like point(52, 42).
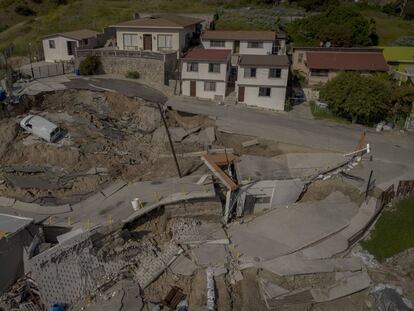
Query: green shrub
point(132, 75)
point(24, 10)
point(90, 65)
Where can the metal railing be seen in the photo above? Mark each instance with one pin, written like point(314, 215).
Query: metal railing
point(123, 53)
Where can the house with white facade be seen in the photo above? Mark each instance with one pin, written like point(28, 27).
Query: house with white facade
point(62, 46)
point(157, 33)
point(262, 80)
point(205, 72)
point(245, 42)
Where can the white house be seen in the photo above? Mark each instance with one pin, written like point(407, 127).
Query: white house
point(245, 42)
point(164, 32)
point(61, 46)
point(262, 80)
point(205, 72)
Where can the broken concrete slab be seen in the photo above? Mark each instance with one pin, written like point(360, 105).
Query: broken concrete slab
point(211, 134)
point(69, 235)
point(270, 290)
point(341, 241)
point(42, 209)
point(265, 236)
point(183, 266)
point(294, 298)
point(115, 187)
point(295, 264)
point(344, 287)
point(250, 143)
point(210, 255)
point(7, 202)
point(35, 181)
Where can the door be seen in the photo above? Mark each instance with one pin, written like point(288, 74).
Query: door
point(236, 47)
point(193, 88)
point(148, 42)
point(241, 94)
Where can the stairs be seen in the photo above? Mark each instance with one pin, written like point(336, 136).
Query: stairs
point(230, 99)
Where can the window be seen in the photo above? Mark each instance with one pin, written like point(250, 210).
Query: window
point(52, 44)
point(164, 42)
point(192, 67)
point(85, 42)
point(254, 45)
point(217, 43)
point(69, 45)
point(264, 91)
point(250, 72)
point(275, 73)
point(319, 72)
point(209, 86)
point(300, 58)
point(130, 41)
point(214, 68)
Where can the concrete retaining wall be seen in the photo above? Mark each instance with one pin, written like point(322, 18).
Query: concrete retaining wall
point(152, 71)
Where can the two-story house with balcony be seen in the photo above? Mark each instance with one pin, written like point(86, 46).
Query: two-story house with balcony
point(245, 42)
point(205, 72)
point(157, 33)
point(262, 80)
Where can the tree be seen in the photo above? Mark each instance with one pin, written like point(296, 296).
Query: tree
point(340, 25)
point(358, 98)
point(90, 65)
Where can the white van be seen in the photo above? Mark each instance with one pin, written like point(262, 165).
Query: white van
point(42, 128)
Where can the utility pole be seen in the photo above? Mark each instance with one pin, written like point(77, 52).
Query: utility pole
point(404, 4)
point(30, 56)
point(169, 139)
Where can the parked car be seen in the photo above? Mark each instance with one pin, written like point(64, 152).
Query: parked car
point(42, 128)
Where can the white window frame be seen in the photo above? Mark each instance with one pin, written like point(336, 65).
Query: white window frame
point(192, 67)
point(248, 72)
point(277, 70)
point(214, 67)
point(52, 44)
point(217, 43)
point(261, 89)
point(210, 86)
point(130, 42)
point(255, 45)
point(162, 42)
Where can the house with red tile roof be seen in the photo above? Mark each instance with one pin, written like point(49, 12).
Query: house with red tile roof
point(205, 72)
point(319, 65)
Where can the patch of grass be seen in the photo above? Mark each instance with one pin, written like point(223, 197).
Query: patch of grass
point(394, 231)
point(390, 28)
point(325, 114)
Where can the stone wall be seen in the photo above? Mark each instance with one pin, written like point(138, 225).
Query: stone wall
point(155, 72)
point(151, 70)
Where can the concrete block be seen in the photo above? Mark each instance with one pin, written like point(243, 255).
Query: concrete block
point(250, 143)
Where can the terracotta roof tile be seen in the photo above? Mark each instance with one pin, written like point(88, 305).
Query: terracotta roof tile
point(207, 54)
point(367, 61)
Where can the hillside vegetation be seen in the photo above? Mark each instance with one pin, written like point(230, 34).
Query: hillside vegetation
point(27, 21)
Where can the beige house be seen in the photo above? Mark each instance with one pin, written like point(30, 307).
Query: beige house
point(205, 73)
point(262, 80)
point(62, 46)
point(245, 42)
point(158, 33)
point(319, 65)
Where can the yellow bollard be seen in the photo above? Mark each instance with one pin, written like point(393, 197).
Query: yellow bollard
point(69, 221)
point(50, 220)
point(110, 219)
point(88, 225)
point(157, 196)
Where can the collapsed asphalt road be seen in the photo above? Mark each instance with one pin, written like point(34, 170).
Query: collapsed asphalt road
point(125, 87)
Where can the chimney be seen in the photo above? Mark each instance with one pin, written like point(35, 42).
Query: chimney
point(135, 15)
